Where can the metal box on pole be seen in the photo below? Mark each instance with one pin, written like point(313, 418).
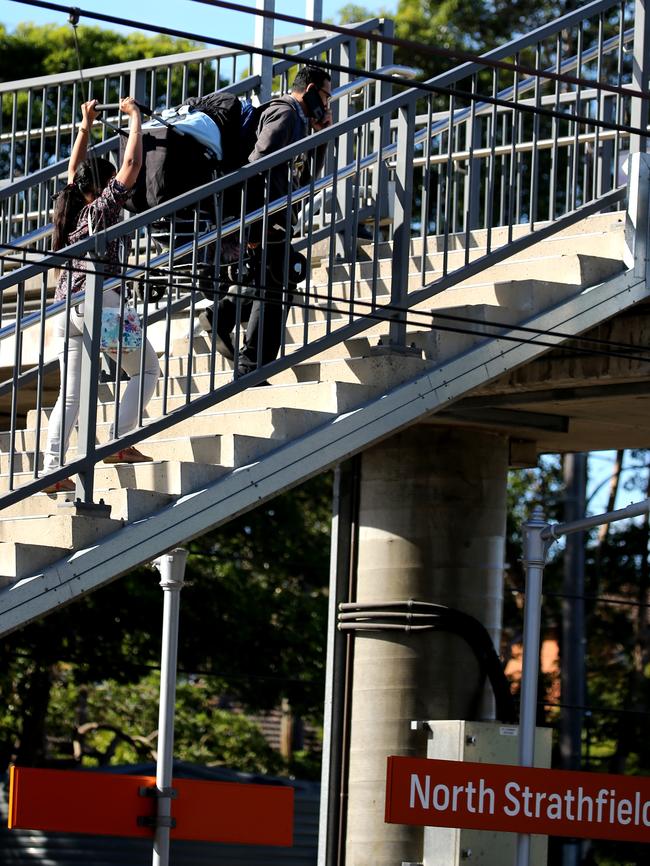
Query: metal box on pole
point(482, 742)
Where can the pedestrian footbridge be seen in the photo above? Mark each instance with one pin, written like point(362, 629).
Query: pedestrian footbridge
point(476, 295)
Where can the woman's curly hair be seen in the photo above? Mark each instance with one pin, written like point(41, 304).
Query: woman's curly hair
point(90, 178)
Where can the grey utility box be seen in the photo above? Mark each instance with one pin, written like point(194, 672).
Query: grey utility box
point(489, 743)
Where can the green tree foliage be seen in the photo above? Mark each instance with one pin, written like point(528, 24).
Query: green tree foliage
point(466, 25)
point(617, 660)
point(259, 586)
point(110, 722)
point(49, 49)
point(252, 626)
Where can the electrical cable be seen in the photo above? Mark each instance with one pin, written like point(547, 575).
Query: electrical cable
point(456, 93)
point(403, 314)
point(434, 51)
point(90, 158)
point(74, 16)
point(370, 617)
point(425, 87)
point(597, 599)
point(601, 711)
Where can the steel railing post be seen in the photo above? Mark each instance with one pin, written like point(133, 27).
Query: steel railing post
point(172, 573)
point(90, 365)
point(637, 218)
point(606, 171)
point(640, 75)
point(333, 801)
point(534, 559)
point(472, 185)
point(402, 219)
point(381, 132)
point(138, 86)
point(313, 11)
point(343, 192)
point(263, 66)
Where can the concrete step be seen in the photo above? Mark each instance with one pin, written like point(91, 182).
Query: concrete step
point(19, 560)
point(612, 224)
point(332, 397)
point(272, 423)
point(31, 299)
point(222, 452)
point(165, 477)
point(127, 503)
point(569, 269)
point(71, 531)
point(199, 449)
point(436, 342)
point(378, 373)
point(605, 239)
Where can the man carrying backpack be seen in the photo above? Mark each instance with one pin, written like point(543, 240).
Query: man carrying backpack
point(283, 121)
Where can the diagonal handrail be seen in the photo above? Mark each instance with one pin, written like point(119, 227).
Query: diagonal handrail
point(361, 323)
point(349, 166)
point(310, 46)
point(324, 39)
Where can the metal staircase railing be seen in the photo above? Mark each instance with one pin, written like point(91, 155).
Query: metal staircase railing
point(447, 163)
point(39, 116)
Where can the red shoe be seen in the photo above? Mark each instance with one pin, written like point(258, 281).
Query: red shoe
point(66, 485)
point(128, 455)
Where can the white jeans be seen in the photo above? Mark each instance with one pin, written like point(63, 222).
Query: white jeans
point(128, 404)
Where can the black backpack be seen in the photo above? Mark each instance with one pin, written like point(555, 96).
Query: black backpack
point(226, 111)
point(171, 165)
point(174, 163)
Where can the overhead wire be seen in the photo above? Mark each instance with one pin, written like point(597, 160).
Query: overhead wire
point(75, 13)
point(425, 87)
point(438, 52)
point(73, 20)
point(601, 711)
point(596, 599)
point(410, 45)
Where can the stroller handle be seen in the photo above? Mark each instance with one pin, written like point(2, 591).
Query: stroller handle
point(114, 106)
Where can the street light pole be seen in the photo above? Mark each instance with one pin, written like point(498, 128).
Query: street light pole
point(538, 537)
point(536, 547)
point(172, 571)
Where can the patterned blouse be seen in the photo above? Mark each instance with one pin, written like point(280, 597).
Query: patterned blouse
point(104, 212)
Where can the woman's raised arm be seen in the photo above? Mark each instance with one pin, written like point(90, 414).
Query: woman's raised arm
point(130, 168)
point(80, 146)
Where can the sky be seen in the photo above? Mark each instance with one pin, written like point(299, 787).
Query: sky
point(179, 14)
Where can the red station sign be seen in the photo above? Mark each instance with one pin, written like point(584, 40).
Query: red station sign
point(516, 799)
point(109, 804)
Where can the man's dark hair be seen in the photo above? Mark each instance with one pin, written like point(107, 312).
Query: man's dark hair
point(309, 75)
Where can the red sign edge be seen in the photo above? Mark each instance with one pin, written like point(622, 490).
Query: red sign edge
point(15, 786)
point(393, 772)
point(13, 781)
point(389, 788)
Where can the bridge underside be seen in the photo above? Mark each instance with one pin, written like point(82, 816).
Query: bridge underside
point(570, 401)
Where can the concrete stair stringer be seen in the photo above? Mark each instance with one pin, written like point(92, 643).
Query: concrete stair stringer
point(220, 500)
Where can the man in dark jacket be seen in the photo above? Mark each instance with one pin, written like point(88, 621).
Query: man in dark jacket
point(284, 121)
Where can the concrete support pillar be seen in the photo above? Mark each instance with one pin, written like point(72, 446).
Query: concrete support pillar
point(431, 527)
